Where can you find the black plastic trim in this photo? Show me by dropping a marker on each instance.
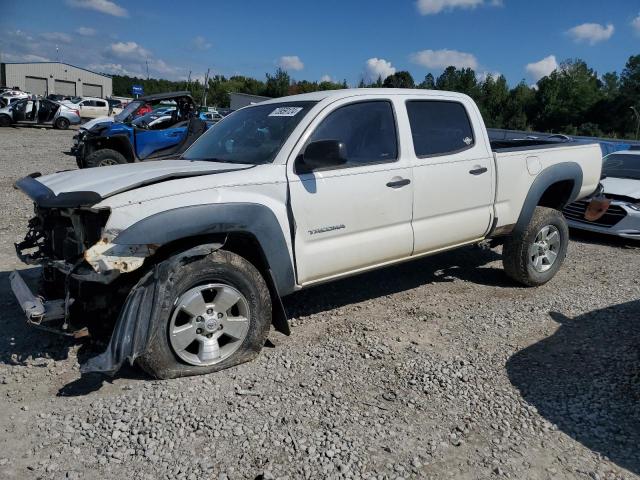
(197, 220)
(45, 197)
(553, 174)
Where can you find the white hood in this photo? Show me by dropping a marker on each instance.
(107, 181)
(622, 186)
(91, 123)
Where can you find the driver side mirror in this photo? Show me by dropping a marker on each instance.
(323, 154)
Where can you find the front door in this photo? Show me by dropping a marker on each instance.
(357, 215)
(150, 142)
(453, 173)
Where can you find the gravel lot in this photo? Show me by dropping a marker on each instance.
(440, 368)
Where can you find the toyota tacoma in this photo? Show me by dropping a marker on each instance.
(184, 262)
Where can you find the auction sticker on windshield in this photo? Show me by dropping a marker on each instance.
(285, 111)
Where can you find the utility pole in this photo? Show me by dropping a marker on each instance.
(147, 62)
(637, 120)
(189, 81)
(206, 86)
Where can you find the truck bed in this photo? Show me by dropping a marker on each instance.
(519, 162)
(516, 145)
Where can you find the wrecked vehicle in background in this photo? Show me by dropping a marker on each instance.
(619, 199)
(123, 140)
(193, 255)
(39, 111)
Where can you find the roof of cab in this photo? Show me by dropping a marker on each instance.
(351, 92)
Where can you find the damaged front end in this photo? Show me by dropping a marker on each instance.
(81, 289)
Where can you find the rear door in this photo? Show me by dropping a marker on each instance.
(358, 215)
(453, 173)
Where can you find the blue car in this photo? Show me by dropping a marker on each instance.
(141, 133)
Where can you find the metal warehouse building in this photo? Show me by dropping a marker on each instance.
(45, 78)
(239, 100)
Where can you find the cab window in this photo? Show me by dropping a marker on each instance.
(367, 129)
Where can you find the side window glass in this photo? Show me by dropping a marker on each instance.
(439, 127)
(368, 130)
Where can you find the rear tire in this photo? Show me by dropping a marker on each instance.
(104, 158)
(61, 123)
(5, 121)
(534, 256)
(169, 357)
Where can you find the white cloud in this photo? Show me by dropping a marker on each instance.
(128, 51)
(326, 78)
(201, 43)
(636, 24)
(57, 37)
(482, 76)
(8, 57)
(444, 58)
(540, 69)
(113, 68)
(377, 68)
(102, 6)
(86, 31)
(290, 62)
(591, 33)
(433, 7)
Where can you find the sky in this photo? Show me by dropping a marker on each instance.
(321, 40)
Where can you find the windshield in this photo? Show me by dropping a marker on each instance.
(251, 135)
(128, 110)
(622, 166)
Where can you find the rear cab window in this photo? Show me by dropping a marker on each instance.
(439, 127)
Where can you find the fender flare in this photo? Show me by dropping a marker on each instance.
(219, 218)
(550, 175)
(121, 138)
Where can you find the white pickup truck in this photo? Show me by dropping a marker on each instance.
(190, 257)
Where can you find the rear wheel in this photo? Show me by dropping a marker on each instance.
(534, 256)
(220, 317)
(104, 158)
(61, 123)
(5, 121)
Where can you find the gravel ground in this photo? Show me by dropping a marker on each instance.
(440, 368)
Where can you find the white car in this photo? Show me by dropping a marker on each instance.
(193, 255)
(90, 107)
(622, 188)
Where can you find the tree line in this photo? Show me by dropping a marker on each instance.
(573, 99)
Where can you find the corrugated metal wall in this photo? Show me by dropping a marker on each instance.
(16, 75)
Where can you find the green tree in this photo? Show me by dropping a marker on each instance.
(429, 83)
(278, 84)
(402, 79)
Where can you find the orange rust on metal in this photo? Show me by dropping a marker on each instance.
(597, 208)
(83, 332)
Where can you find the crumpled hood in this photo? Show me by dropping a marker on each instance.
(622, 186)
(107, 181)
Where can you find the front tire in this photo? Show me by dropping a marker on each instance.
(61, 123)
(534, 256)
(5, 121)
(220, 317)
(104, 158)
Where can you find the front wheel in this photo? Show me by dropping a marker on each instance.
(104, 158)
(220, 317)
(534, 256)
(5, 121)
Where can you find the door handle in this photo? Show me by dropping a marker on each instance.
(478, 170)
(398, 183)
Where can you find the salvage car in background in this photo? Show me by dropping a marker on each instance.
(124, 141)
(39, 111)
(620, 213)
